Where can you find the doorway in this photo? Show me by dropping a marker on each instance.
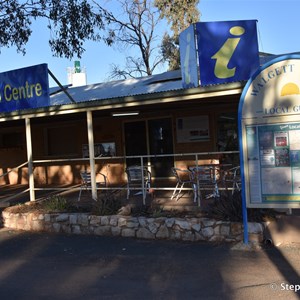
(151, 137)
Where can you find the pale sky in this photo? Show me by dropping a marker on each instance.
(278, 32)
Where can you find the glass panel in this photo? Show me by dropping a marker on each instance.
(161, 142)
(228, 137)
(135, 141)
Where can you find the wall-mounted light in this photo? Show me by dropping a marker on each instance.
(125, 113)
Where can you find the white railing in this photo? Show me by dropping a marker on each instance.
(193, 156)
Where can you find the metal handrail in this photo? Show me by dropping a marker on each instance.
(22, 192)
(141, 157)
(15, 168)
(104, 158)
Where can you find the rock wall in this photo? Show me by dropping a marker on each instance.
(185, 229)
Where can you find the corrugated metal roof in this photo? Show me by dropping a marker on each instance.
(168, 81)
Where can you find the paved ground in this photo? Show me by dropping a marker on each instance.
(48, 266)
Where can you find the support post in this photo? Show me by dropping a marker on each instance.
(30, 160)
(144, 191)
(89, 116)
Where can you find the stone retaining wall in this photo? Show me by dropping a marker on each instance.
(186, 229)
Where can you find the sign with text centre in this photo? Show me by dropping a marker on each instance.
(24, 88)
(269, 127)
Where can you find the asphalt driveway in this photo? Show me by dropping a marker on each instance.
(49, 266)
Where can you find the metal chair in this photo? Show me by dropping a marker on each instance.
(183, 177)
(138, 179)
(206, 179)
(86, 182)
(232, 179)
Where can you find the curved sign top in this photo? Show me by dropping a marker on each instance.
(269, 133)
(273, 90)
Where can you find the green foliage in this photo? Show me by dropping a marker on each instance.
(170, 51)
(71, 22)
(158, 212)
(56, 203)
(229, 208)
(106, 204)
(179, 13)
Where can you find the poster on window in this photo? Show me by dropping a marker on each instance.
(192, 129)
(100, 149)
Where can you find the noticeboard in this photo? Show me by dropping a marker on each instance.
(192, 129)
(100, 150)
(269, 127)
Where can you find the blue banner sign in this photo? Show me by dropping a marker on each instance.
(24, 88)
(227, 51)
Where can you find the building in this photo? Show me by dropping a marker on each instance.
(147, 116)
(156, 121)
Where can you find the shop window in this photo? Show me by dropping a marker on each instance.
(61, 141)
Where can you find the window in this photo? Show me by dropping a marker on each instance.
(61, 140)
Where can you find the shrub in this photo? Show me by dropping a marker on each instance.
(106, 204)
(55, 203)
(228, 207)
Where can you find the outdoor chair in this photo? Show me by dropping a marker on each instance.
(138, 180)
(206, 179)
(232, 179)
(86, 182)
(183, 177)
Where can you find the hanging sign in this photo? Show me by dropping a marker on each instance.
(227, 51)
(270, 135)
(24, 88)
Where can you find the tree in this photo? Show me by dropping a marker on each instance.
(170, 51)
(136, 25)
(180, 14)
(136, 28)
(71, 22)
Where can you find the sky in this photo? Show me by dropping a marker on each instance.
(278, 33)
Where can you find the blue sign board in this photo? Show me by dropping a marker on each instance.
(24, 88)
(227, 51)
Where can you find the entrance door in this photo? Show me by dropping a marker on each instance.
(151, 137)
(135, 142)
(161, 142)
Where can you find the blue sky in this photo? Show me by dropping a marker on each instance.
(278, 33)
